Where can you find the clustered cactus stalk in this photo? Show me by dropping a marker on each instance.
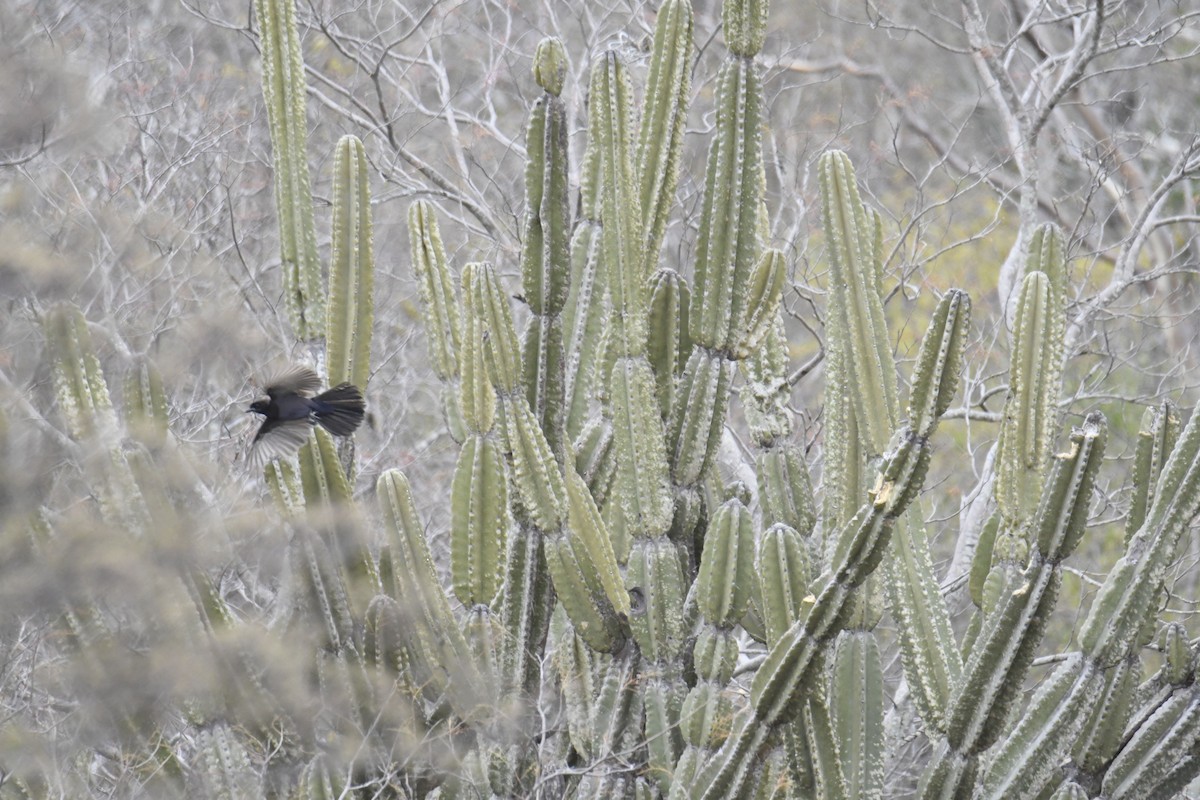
(610, 588)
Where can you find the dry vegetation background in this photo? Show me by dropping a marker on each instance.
(135, 181)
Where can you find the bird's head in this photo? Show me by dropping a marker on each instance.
(259, 407)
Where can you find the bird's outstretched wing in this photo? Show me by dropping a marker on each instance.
(276, 439)
(296, 379)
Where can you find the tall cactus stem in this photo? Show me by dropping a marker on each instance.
(351, 270)
(284, 90)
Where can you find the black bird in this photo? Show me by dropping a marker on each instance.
(291, 408)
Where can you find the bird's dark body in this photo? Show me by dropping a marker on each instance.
(290, 409)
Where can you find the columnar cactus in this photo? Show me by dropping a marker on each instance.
(83, 397)
(351, 269)
(861, 371)
(590, 531)
(995, 672)
(1024, 763)
(552, 498)
(641, 488)
(787, 675)
(284, 90)
(733, 284)
(545, 257)
(722, 595)
(441, 311)
(479, 516)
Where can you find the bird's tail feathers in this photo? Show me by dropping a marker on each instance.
(340, 410)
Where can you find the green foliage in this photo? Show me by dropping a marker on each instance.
(593, 532)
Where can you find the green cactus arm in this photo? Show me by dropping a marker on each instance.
(1027, 429)
(587, 529)
(587, 306)
(545, 254)
(708, 708)
(596, 464)
(544, 251)
(1111, 629)
(284, 91)
(283, 482)
(478, 520)
(577, 548)
(79, 384)
(619, 211)
(727, 254)
(856, 311)
(668, 345)
(765, 290)
(729, 246)
(662, 699)
(694, 430)
(1024, 763)
(146, 401)
(477, 398)
(1104, 732)
(784, 490)
(1159, 758)
(1118, 611)
(574, 665)
(616, 712)
(782, 564)
(790, 668)
(723, 583)
(766, 393)
(843, 471)
(223, 765)
(351, 269)
(787, 675)
(856, 705)
(525, 606)
(932, 663)
(441, 660)
(1156, 436)
(641, 480)
(641, 490)
(660, 139)
(656, 580)
(642, 486)
(479, 490)
(321, 474)
(583, 320)
(318, 782)
(86, 405)
(543, 361)
(823, 745)
(502, 353)
(441, 312)
(745, 24)
(322, 589)
(995, 673)
(952, 317)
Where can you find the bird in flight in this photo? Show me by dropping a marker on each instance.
(292, 407)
